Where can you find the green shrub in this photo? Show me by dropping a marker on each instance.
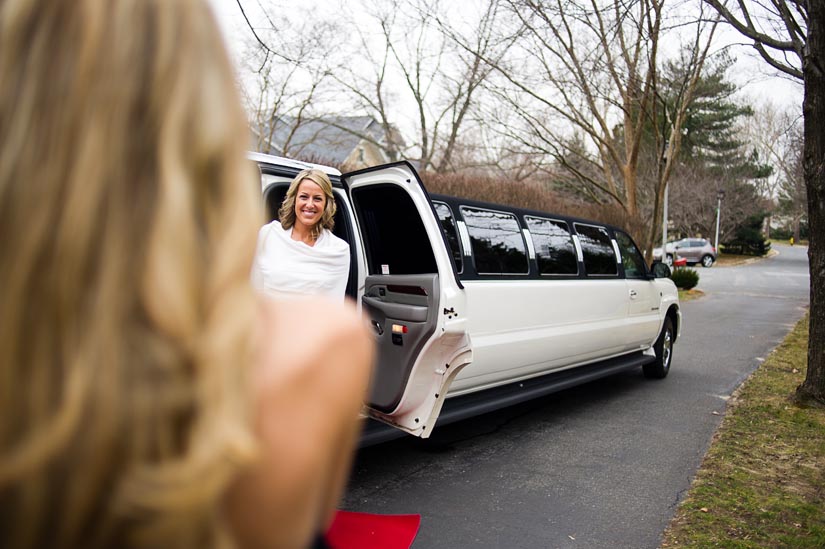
(748, 238)
(685, 278)
(785, 233)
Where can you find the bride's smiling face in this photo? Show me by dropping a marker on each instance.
(310, 201)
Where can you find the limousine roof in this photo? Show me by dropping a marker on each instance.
(297, 165)
(520, 212)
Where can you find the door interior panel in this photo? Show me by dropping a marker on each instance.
(403, 313)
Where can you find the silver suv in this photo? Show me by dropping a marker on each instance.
(695, 250)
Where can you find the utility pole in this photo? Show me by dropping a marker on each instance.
(662, 165)
(719, 196)
(664, 226)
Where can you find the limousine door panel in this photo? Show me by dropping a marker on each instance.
(412, 298)
(402, 312)
(643, 294)
(643, 314)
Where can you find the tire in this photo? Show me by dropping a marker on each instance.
(659, 368)
(707, 260)
(669, 260)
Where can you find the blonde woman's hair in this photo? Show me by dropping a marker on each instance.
(128, 218)
(286, 212)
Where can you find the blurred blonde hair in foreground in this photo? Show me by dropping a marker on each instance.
(128, 219)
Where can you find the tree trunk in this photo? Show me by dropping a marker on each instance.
(812, 389)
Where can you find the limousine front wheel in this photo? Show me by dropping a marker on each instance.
(664, 353)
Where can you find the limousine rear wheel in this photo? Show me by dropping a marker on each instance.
(660, 367)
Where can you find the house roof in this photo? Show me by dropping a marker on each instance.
(331, 139)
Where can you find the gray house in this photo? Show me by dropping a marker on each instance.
(350, 142)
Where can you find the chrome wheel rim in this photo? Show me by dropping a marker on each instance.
(667, 347)
(707, 261)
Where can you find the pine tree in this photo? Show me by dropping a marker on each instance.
(713, 157)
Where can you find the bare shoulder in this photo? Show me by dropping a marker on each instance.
(308, 323)
(312, 369)
(309, 341)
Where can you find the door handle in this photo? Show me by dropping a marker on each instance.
(378, 329)
(633, 294)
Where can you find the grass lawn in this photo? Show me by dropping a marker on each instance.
(731, 260)
(690, 295)
(728, 260)
(762, 482)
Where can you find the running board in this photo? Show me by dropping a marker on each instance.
(489, 400)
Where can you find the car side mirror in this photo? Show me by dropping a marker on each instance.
(660, 270)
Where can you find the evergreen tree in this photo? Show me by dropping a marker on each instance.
(713, 157)
(711, 132)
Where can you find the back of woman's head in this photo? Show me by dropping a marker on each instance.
(128, 216)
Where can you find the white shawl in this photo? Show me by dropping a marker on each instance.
(284, 266)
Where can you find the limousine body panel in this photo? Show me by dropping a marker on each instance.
(521, 328)
(412, 298)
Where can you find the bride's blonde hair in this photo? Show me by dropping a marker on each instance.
(128, 218)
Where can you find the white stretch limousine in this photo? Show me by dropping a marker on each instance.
(482, 305)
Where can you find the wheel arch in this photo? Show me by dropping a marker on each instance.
(676, 318)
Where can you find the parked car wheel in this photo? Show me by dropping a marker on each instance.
(659, 368)
(669, 260)
(707, 260)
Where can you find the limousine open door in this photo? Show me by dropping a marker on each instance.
(411, 296)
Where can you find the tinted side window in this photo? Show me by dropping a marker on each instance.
(555, 252)
(498, 247)
(632, 260)
(599, 256)
(445, 216)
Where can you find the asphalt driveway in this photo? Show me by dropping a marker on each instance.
(601, 465)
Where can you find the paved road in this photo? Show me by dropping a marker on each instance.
(602, 465)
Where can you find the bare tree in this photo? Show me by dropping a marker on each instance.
(288, 64)
(790, 36)
(584, 83)
(365, 80)
(438, 80)
(693, 203)
(792, 194)
(775, 133)
(766, 132)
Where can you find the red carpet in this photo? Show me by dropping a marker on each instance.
(367, 531)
